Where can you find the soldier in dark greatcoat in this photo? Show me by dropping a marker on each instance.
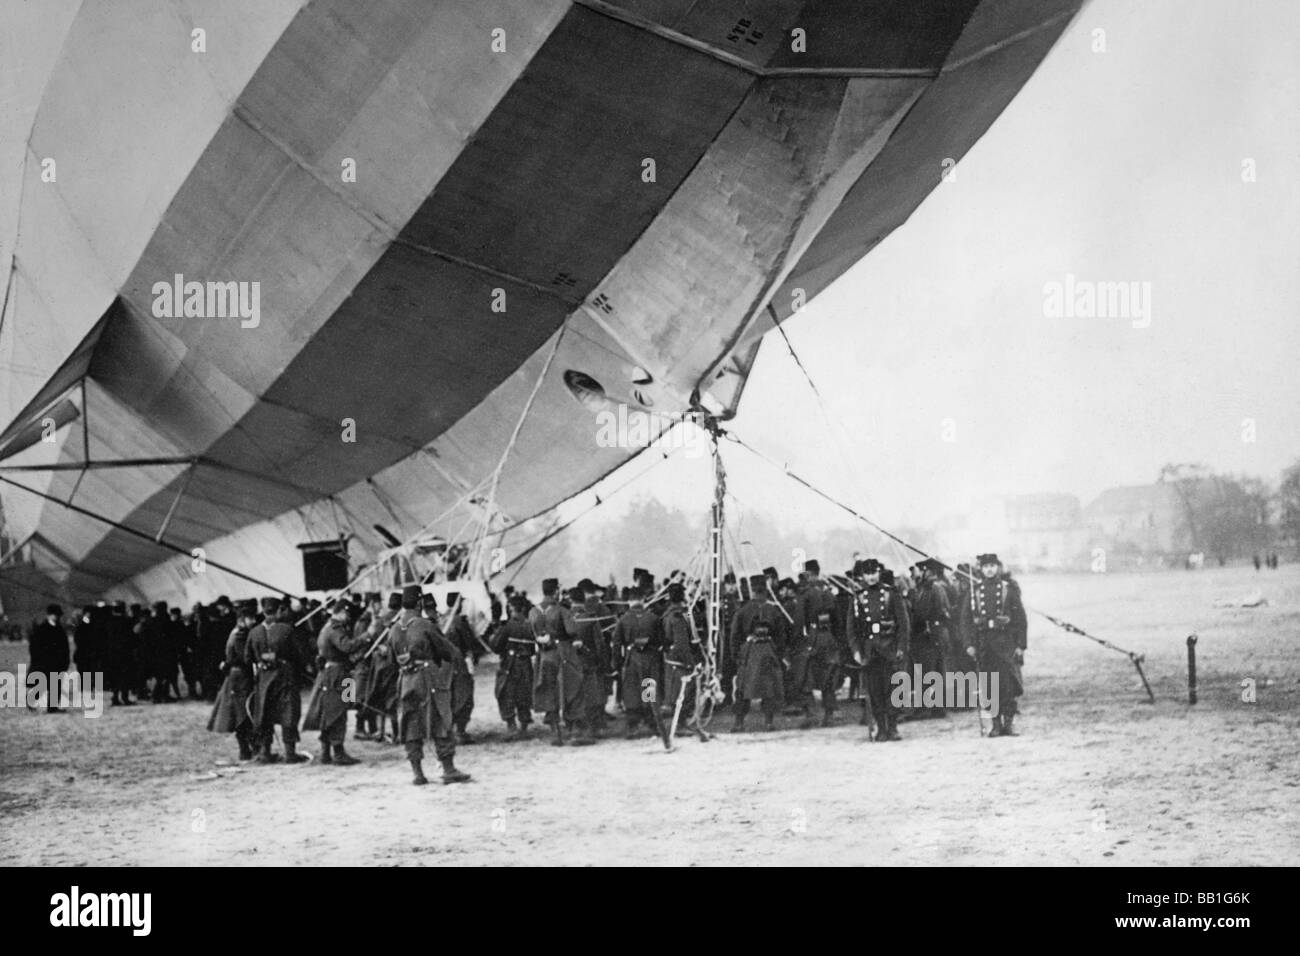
(759, 633)
(273, 653)
(995, 628)
(119, 652)
(461, 634)
(681, 653)
(638, 637)
(334, 689)
(514, 645)
(827, 651)
(557, 682)
(50, 655)
(593, 622)
(379, 699)
(230, 712)
(930, 614)
(422, 713)
(881, 632)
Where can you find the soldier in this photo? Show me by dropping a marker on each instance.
(593, 621)
(930, 620)
(117, 655)
(758, 660)
(422, 712)
(681, 645)
(639, 638)
(826, 654)
(230, 712)
(273, 654)
(88, 638)
(457, 676)
(327, 710)
(797, 697)
(380, 701)
(154, 651)
(558, 679)
(881, 631)
(726, 650)
(995, 629)
(217, 627)
(513, 643)
(50, 655)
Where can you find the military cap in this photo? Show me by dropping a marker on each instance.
(431, 600)
(137, 608)
(248, 609)
(787, 583)
(55, 610)
(639, 573)
(160, 606)
(270, 604)
(394, 600)
(871, 566)
(119, 605)
(222, 599)
(757, 584)
(812, 566)
(989, 558)
(373, 596)
(886, 576)
(676, 593)
(411, 596)
(770, 573)
(340, 604)
(729, 577)
(577, 595)
(550, 586)
(587, 584)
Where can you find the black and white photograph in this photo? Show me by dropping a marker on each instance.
(656, 433)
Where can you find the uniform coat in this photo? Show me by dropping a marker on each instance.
(422, 711)
(230, 712)
(273, 655)
(327, 710)
(514, 645)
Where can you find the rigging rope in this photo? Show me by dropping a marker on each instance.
(1132, 655)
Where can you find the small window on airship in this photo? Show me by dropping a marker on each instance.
(586, 390)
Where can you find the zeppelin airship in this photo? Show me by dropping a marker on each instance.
(283, 271)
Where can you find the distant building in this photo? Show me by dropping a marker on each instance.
(1147, 521)
(1039, 531)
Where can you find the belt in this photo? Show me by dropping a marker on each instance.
(758, 640)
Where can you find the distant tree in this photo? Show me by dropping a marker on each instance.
(1288, 505)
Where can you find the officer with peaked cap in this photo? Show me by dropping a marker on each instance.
(930, 621)
(995, 629)
(881, 629)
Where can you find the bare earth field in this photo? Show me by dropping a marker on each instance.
(1097, 778)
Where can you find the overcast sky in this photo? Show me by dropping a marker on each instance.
(1126, 166)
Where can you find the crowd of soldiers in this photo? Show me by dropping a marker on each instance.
(405, 670)
(788, 644)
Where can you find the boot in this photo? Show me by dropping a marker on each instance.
(738, 726)
(245, 751)
(450, 774)
(865, 719)
(462, 738)
(893, 730)
(326, 754)
(265, 755)
(996, 729)
(582, 735)
(1006, 726)
(559, 738)
(343, 758)
(828, 718)
(291, 754)
(807, 723)
(417, 764)
(512, 729)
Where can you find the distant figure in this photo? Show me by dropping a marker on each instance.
(1270, 563)
(49, 651)
(1272, 560)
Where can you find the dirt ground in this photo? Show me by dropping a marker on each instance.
(1097, 777)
